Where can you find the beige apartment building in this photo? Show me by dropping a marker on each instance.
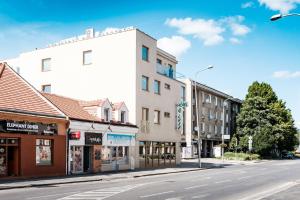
(122, 65)
(210, 107)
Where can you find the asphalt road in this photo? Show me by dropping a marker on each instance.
(271, 180)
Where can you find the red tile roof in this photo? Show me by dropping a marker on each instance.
(71, 107)
(117, 106)
(98, 102)
(74, 109)
(17, 95)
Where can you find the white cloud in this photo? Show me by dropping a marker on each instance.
(297, 124)
(234, 40)
(284, 6)
(248, 4)
(236, 26)
(210, 31)
(286, 74)
(176, 45)
(207, 30)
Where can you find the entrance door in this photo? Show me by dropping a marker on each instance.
(12, 161)
(87, 159)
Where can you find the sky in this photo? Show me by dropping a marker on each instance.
(235, 36)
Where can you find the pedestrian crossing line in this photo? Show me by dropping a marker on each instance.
(100, 194)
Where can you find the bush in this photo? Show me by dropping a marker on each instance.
(240, 156)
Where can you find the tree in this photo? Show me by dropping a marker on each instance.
(267, 119)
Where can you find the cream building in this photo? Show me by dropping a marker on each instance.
(124, 65)
(211, 115)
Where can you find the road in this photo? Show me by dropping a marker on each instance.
(267, 181)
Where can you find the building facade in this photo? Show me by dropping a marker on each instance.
(211, 111)
(99, 136)
(123, 65)
(32, 130)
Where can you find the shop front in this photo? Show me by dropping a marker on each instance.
(31, 149)
(85, 152)
(118, 151)
(157, 154)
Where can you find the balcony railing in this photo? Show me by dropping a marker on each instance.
(145, 126)
(166, 71)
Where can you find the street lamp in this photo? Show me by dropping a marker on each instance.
(197, 112)
(223, 124)
(279, 16)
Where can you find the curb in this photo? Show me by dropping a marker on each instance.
(95, 180)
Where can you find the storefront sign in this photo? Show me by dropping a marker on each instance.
(75, 135)
(120, 140)
(10, 126)
(93, 138)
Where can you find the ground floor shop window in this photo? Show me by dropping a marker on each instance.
(154, 154)
(115, 154)
(43, 152)
(76, 159)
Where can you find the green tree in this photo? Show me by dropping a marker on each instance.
(267, 119)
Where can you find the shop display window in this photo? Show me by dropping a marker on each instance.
(118, 154)
(43, 152)
(76, 159)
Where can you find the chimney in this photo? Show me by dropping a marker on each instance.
(89, 33)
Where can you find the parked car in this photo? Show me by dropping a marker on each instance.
(287, 155)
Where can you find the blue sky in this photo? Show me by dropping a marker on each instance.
(235, 36)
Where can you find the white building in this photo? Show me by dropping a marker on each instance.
(122, 65)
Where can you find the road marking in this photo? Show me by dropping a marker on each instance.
(271, 191)
(51, 195)
(225, 181)
(157, 194)
(200, 196)
(196, 186)
(101, 193)
(245, 177)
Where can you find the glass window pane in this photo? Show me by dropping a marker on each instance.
(145, 53)
(46, 88)
(87, 57)
(145, 83)
(46, 64)
(157, 87)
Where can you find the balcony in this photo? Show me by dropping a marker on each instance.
(166, 71)
(145, 126)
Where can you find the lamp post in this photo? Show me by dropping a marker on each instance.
(197, 112)
(279, 16)
(223, 124)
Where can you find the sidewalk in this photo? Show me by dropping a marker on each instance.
(185, 166)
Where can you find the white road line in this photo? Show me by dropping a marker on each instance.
(245, 177)
(200, 196)
(51, 195)
(156, 194)
(225, 181)
(273, 190)
(196, 186)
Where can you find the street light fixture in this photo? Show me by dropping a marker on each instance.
(197, 112)
(279, 16)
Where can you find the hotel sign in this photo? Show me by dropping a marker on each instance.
(10, 126)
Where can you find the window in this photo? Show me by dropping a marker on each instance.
(145, 53)
(43, 152)
(167, 86)
(123, 114)
(156, 87)
(145, 83)
(202, 127)
(87, 57)
(156, 117)
(158, 61)
(216, 129)
(46, 64)
(145, 114)
(167, 114)
(46, 88)
(182, 93)
(106, 114)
